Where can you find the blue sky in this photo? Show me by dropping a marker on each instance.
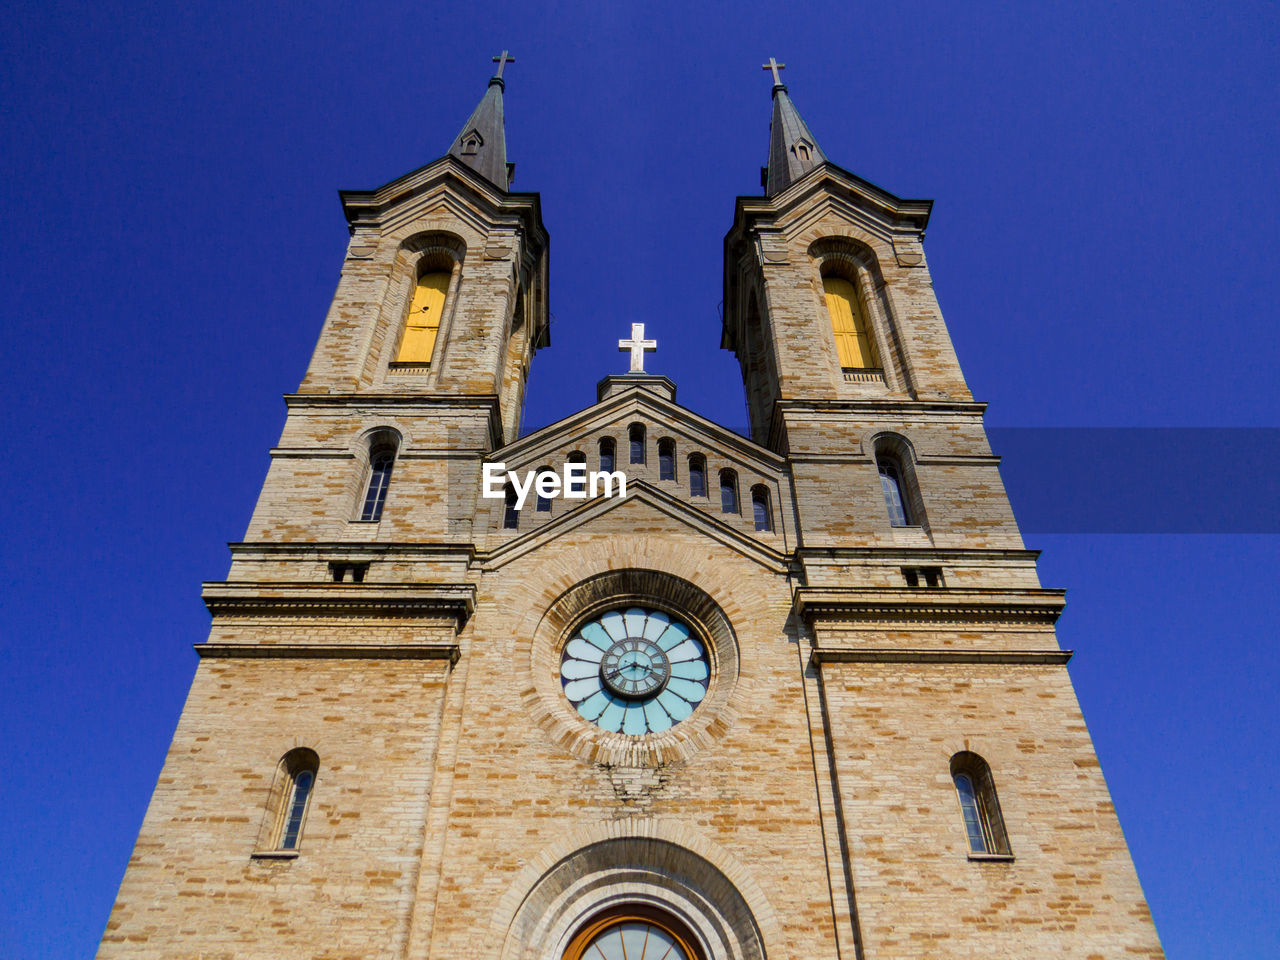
(1103, 246)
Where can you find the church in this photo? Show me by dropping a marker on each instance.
(784, 696)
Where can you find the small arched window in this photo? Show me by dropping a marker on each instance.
(630, 931)
(297, 780)
(979, 807)
(382, 457)
(666, 459)
(853, 344)
(728, 491)
(544, 503)
(697, 475)
(423, 322)
(760, 507)
(894, 490)
(636, 433)
(576, 487)
(607, 455)
(510, 512)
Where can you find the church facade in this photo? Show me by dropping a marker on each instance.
(794, 695)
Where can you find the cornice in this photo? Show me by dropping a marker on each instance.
(409, 600)
(922, 604)
(480, 400)
(940, 554)
(827, 405)
(331, 548)
(330, 651)
(821, 655)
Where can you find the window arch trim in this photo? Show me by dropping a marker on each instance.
(289, 804)
(979, 804)
(603, 922)
(382, 447)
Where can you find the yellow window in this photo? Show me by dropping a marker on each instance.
(850, 327)
(424, 318)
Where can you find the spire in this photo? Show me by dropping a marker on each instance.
(793, 151)
(482, 143)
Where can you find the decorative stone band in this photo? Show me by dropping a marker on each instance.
(454, 602)
(331, 651)
(913, 604)
(822, 655)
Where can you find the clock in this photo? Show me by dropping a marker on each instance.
(634, 668)
(634, 671)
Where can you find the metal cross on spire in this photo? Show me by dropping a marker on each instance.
(775, 66)
(502, 62)
(638, 346)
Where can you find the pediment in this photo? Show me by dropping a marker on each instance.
(590, 423)
(403, 197)
(873, 202)
(752, 471)
(644, 507)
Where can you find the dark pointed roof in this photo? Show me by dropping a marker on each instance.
(793, 151)
(482, 142)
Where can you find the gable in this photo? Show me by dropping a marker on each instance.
(751, 469)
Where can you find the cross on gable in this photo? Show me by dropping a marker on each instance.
(502, 62)
(775, 66)
(638, 346)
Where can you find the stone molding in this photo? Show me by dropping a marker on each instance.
(238, 598)
(330, 651)
(916, 604)
(821, 655)
(652, 860)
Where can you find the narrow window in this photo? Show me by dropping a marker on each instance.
(891, 486)
(637, 443)
(760, 507)
(728, 491)
(297, 809)
(296, 779)
(510, 514)
(606, 455)
(423, 322)
(666, 459)
(544, 503)
(697, 475)
(579, 485)
(382, 457)
(848, 324)
(979, 808)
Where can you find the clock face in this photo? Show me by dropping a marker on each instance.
(634, 671)
(634, 668)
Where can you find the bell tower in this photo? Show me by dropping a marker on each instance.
(827, 294)
(425, 351)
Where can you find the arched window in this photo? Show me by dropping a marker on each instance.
(544, 503)
(979, 807)
(423, 323)
(296, 779)
(607, 458)
(894, 490)
(666, 459)
(577, 486)
(636, 433)
(760, 507)
(853, 345)
(632, 932)
(728, 491)
(510, 513)
(697, 475)
(382, 457)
